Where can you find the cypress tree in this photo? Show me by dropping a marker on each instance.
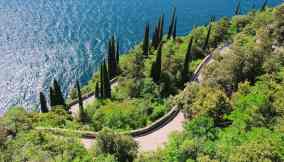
(97, 90)
(107, 85)
(52, 97)
(187, 60)
(155, 40)
(175, 30)
(156, 68)
(81, 107)
(158, 33)
(113, 57)
(263, 5)
(161, 29)
(43, 104)
(238, 8)
(146, 41)
(58, 94)
(171, 26)
(205, 46)
(102, 94)
(117, 54)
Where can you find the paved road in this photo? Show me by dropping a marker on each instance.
(158, 138)
(154, 140)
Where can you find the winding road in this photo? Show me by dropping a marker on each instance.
(157, 134)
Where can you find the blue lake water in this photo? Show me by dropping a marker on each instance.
(65, 39)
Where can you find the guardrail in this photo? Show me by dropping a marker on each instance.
(142, 131)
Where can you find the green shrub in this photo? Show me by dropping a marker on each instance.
(122, 147)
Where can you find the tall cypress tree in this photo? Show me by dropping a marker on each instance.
(81, 106)
(43, 103)
(102, 91)
(155, 40)
(97, 90)
(188, 57)
(161, 29)
(175, 30)
(117, 53)
(52, 97)
(263, 5)
(58, 94)
(171, 26)
(158, 33)
(113, 57)
(146, 41)
(206, 42)
(107, 84)
(238, 8)
(156, 68)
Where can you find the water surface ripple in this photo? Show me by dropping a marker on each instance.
(65, 39)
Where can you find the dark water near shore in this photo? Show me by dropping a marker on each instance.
(65, 39)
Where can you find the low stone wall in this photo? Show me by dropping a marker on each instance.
(142, 131)
(156, 125)
(66, 132)
(200, 67)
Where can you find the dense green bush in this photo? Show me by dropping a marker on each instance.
(197, 100)
(125, 114)
(20, 142)
(251, 73)
(122, 147)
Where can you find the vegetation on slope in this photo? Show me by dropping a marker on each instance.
(235, 114)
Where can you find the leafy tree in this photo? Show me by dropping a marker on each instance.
(105, 158)
(43, 103)
(279, 25)
(260, 145)
(122, 147)
(198, 100)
